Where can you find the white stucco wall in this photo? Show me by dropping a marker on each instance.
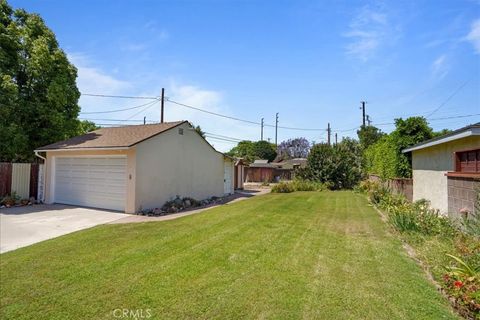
(171, 164)
(429, 167)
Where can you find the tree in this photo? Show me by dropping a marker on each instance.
(407, 133)
(338, 165)
(368, 135)
(386, 158)
(264, 150)
(244, 149)
(199, 131)
(87, 126)
(38, 93)
(253, 150)
(293, 148)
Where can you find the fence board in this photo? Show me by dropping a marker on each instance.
(21, 179)
(34, 180)
(5, 178)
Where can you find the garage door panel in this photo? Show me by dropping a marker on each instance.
(91, 181)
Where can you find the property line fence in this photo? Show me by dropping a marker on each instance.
(402, 186)
(25, 179)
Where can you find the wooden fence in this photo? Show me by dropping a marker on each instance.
(21, 178)
(397, 185)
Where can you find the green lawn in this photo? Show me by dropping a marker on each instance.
(301, 255)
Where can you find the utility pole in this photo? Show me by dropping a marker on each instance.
(162, 105)
(336, 141)
(368, 120)
(261, 135)
(276, 128)
(329, 132)
(144, 120)
(363, 111)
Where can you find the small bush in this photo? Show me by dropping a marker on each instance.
(283, 187)
(403, 220)
(298, 185)
(10, 200)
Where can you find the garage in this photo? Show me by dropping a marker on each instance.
(228, 174)
(98, 182)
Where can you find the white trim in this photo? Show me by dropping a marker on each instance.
(92, 156)
(460, 135)
(82, 149)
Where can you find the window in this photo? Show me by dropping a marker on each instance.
(467, 161)
(180, 131)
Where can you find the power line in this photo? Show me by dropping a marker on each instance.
(433, 119)
(222, 136)
(210, 112)
(114, 96)
(116, 120)
(120, 110)
(146, 107)
(449, 98)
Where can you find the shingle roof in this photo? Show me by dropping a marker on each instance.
(115, 137)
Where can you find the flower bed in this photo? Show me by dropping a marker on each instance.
(449, 249)
(179, 204)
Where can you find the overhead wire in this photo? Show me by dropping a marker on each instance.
(120, 110)
(117, 96)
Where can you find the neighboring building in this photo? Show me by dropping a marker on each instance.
(446, 170)
(133, 167)
(239, 173)
(264, 171)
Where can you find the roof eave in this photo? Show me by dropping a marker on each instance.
(459, 135)
(82, 149)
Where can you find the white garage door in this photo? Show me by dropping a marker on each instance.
(227, 180)
(91, 181)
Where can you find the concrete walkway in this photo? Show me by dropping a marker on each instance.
(238, 196)
(23, 226)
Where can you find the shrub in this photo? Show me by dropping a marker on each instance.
(298, 185)
(403, 219)
(283, 187)
(10, 200)
(338, 165)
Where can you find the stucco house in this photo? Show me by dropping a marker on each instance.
(446, 170)
(133, 167)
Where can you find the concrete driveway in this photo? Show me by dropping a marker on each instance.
(23, 226)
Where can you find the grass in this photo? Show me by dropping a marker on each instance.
(307, 255)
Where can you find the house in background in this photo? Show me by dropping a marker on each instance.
(133, 167)
(264, 171)
(239, 175)
(446, 170)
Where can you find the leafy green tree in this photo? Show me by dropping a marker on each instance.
(199, 131)
(254, 150)
(38, 93)
(244, 149)
(337, 165)
(368, 135)
(87, 126)
(264, 150)
(381, 158)
(385, 157)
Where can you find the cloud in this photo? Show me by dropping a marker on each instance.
(368, 30)
(440, 67)
(474, 35)
(94, 80)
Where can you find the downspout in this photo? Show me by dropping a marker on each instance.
(44, 174)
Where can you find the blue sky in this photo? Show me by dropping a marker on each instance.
(311, 61)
